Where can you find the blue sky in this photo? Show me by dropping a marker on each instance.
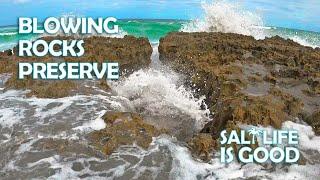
(300, 14)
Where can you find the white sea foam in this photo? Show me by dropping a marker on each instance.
(158, 93)
(185, 167)
(10, 116)
(303, 41)
(43, 109)
(224, 16)
(41, 104)
(96, 124)
(307, 138)
(8, 33)
(230, 17)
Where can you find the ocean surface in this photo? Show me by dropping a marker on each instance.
(155, 29)
(27, 124)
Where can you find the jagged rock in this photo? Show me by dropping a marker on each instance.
(302, 160)
(123, 129)
(314, 122)
(64, 147)
(202, 146)
(43, 89)
(259, 82)
(314, 85)
(131, 53)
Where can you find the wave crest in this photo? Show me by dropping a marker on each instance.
(227, 17)
(8, 34)
(157, 93)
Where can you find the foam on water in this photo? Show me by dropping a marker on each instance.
(96, 124)
(16, 108)
(155, 92)
(10, 116)
(304, 42)
(185, 167)
(307, 138)
(8, 34)
(165, 153)
(159, 93)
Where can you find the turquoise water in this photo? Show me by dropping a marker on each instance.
(152, 29)
(155, 29)
(307, 38)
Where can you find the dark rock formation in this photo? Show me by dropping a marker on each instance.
(314, 121)
(201, 145)
(131, 53)
(123, 129)
(258, 82)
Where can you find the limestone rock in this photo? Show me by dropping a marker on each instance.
(131, 53)
(258, 82)
(123, 129)
(202, 146)
(314, 121)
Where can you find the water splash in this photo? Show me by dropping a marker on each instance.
(305, 38)
(303, 42)
(158, 93)
(230, 17)
(227, 17)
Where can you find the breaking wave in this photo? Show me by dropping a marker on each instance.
(303, 42)
(158, 93)
(231, 17)
(8, 34)
(223, 16)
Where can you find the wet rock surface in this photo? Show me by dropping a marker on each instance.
(314, 121)
(256, 82)
(123, 129)
(202, 145)
(131, 53)
(240, 84)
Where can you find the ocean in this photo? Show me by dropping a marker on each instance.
(27, 123)
(155, 29)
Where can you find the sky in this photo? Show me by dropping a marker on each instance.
(298, 14)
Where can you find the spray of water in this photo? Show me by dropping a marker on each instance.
(158, 92)
(231, 17)
(223, 16)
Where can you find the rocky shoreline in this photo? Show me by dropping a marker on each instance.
(130, 52)
(245, 81)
